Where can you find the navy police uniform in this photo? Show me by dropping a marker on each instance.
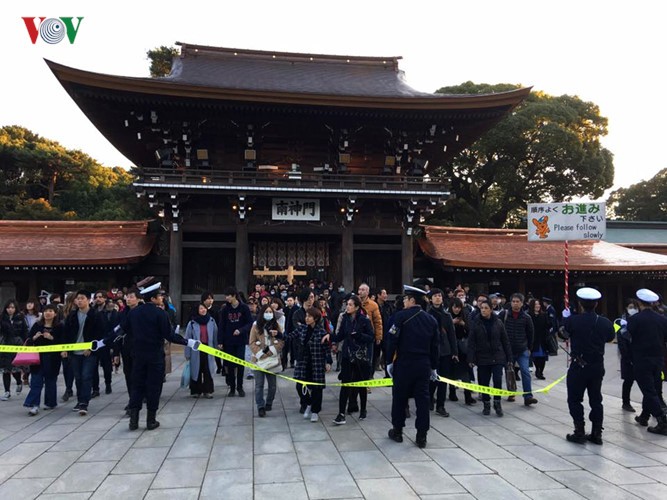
(648, 333)
(413, 347)
(149, 326)
(588, 334)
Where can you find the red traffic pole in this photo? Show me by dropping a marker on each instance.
(567, 288)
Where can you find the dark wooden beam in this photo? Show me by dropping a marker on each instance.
(348, 258)
(176, 270)
(407, 272)
(242, 258)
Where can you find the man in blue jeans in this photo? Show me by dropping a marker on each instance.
(82, 325)
(520, 331)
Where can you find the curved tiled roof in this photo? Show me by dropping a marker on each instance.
(50, 243)
(288, 78)
(510, 249)
(290, 72)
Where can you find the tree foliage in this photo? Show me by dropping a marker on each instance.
(160, 59)
(42, 180)
(547, 149)
(646, 200)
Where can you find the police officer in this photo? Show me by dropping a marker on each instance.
(149, 326)
(648, 332)
(588, 334)
(412, 354)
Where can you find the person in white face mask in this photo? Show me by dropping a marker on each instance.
(624, 343)
(266, 343)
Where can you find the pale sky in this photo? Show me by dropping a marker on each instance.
(610, 53)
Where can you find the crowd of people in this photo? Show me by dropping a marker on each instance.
(419, 338)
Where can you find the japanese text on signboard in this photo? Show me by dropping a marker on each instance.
(295, 209)
(566, 221)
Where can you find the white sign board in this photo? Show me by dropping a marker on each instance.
(295, 209)
(566, 221)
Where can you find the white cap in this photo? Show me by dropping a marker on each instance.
(588, 293)
(646, 295)
(413, 290)
(151, 288)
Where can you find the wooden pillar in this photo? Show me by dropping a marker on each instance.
(522, 284)
(242, 258)
(32, 285)
(347, 257)
(176, 270)
(407, 263)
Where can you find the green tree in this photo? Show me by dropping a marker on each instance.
(42, 180)
(160, 59)
(646, 200)
(547, 149)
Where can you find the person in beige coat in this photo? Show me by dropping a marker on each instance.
(266, 343)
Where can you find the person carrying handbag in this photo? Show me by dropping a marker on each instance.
(356, 363)
(47, 331)
(266, 345)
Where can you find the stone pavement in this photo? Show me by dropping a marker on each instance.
(219, 448)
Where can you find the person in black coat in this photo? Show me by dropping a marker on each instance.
(13, 331)
(123, 342)
(624, 343)
(461, 370)
(448, 347)
(82, 325)
(356, 331)
(542, 327)
(588, 334)
(648, 331)
(47, 331)
(105, 308)
(489, 349)
(234, 327)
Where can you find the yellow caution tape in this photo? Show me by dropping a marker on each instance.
(383, 382)
(498, 392)
(82, 346)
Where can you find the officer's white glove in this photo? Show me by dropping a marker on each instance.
(193, 344)
(434, 376)
(177, 330)
(566, 312)
(97, 344)
(390, 369)
(623, 323)
(117, 329)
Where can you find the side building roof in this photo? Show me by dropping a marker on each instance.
(510, 249)
(58, 243)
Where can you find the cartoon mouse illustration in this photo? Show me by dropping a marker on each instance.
(542, 228)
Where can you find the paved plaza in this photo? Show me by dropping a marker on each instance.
(219, 448)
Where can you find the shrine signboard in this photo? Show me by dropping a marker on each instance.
(566, 221)
(299, 209)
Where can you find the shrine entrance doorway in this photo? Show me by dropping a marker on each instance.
(292, 259)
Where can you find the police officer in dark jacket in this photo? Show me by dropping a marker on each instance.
(588, 334)
(412, 357)
(648, 332)
(149, 326)
(448, 350)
